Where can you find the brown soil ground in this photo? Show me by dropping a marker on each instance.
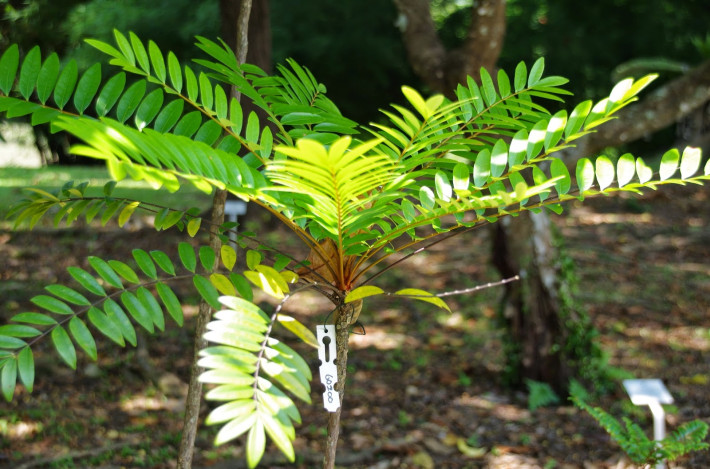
(419, 379)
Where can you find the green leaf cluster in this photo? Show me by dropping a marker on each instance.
(686, 438)
(249, 370)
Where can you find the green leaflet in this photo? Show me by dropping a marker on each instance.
(116, 314)
(444, 191)
(64, 346)
(29, 72)
(8, 378)
(363, 292)
(87, 87)
(645, 173)
(163, 261)
(26, 368)
(690, 162)
(669, 164)
(140, 52)
(34, 318)
(422, 295)
(169, 115)
(536, 72)
(65, 84)
(625, 169)
(47, 77)
(207, 258)
(171, 302)
(11, 343)
(18, 330)
(110, 93)
(83, 337)
(228, 256)
(175, 72)
(157, 60)
(106, 326)
(206, 290)
(124, 271)
(68, 294)
(147, 299)
(149, 108)
(206, 94)
(138, 311)
(298, 329)
(145, 263)
(105, 271)
(605, 172)
(559, 170)
(9, 62)
(52, 304)
(482, 169)
(130, 100)
(187, 256)
(585, 174)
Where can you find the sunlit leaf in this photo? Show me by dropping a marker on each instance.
(625, 169)
(669, 164)
(645, 172)
(298, 329)
(605, 172)
(585, 174)
(559, 170)
(690, 162)
(363, 292)
(422, 295)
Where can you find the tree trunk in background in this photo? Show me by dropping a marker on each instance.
(236, 18)
(538, 311)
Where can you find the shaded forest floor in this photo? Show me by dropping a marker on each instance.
(419, 379)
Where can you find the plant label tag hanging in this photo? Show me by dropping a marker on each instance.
(328, 369)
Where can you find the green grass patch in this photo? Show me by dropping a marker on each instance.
(51, 178)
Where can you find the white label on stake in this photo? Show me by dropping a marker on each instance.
(328, 369)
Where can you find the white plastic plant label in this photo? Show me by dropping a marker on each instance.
(328, 369)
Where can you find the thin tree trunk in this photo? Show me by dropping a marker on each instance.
(194, 395)
(344, 316)
(194, 392)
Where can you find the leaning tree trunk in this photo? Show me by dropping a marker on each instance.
(538, 312)
(532, 308)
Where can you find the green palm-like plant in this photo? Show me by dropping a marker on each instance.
(434, 169)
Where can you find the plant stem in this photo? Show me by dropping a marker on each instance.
(194, 392)
(344, 316)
